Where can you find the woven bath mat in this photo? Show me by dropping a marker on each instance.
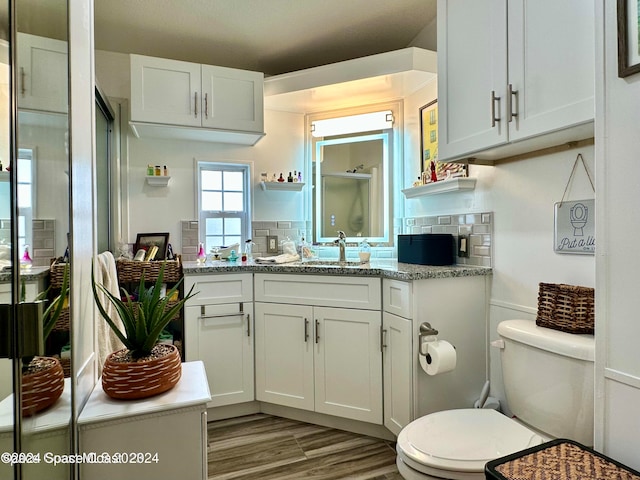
(558, 460)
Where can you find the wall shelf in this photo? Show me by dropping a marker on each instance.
(444, 186)
(157, 181)
(283, 186)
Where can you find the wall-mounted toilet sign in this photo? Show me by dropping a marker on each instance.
(574, 227)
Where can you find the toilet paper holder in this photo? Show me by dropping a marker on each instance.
(426, 330)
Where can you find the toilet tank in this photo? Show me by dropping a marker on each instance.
(549, 379)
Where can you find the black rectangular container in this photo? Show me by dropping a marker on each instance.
(427, 249)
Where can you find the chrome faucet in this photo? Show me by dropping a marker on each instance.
(341, 244)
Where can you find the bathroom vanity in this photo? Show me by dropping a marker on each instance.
(335, 343)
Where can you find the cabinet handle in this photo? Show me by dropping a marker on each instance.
(317, 331)
(206, 105)
(306, 330)
(512, 98)
(494, 99)
(195, 104)
(248, 324)
(22, 88)
(383, 338)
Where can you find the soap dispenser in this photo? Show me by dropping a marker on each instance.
(364, 251)
(25, 261)
(202, 257)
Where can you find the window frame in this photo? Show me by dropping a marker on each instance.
(244, 215)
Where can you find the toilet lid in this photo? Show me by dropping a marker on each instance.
(463, 440)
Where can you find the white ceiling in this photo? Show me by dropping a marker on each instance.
(271, 36)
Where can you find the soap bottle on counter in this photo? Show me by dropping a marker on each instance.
(364, 251)
(202, 256)
(25, 261)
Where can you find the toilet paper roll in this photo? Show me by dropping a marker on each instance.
(440, 357)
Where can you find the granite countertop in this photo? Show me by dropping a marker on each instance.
(28, 274)
(376, 268)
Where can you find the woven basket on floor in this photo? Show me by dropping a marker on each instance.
(134, 380)
(568, 308)
(130, 271)
(43, 387)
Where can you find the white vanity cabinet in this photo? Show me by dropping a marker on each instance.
(42, 74)
(521, 70)
(397, 357)
(218, 329)
(457, 308)
(318, 344)
(222, 104)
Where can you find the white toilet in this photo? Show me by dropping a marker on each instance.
(548, 380)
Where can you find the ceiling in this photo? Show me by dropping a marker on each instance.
(271, 36)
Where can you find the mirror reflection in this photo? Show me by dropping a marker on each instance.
(36, 232)
(351, 194)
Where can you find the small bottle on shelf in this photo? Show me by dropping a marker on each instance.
(281, 179)
(157, 170)
(290, 178)
(165, 172)
(150, 170)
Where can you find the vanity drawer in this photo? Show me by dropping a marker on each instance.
(397, 297)
(325, 291)
(218, 289)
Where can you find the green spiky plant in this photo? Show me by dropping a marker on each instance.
(143, 320)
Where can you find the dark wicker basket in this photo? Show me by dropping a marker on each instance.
(130, 271)
(62, 324)
(56, 272)
(568, 308)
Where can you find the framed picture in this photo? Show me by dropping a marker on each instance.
(429, 147)
(628, 38)
(160, 240)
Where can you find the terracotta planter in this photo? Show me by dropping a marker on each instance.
(134, 379)
(42, 385)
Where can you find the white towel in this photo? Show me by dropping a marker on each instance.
(283, 258)
(107, 275)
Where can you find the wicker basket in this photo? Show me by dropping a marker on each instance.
(56, 272)
(130, 271)
(62, 324)
(568, 308)
(133, 380)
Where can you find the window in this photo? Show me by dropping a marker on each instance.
(25, 196)
(223, 204)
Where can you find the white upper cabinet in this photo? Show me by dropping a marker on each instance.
(514, 76)
(175, 99)
(42, 74)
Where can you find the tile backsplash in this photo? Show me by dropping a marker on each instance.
(478, 226)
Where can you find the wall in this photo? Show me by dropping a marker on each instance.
(153, 209)
(618, 220)
(521, 197)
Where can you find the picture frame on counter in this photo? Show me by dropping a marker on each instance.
(148, 240)
(628, 37)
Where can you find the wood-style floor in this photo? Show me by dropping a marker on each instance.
(264, 447)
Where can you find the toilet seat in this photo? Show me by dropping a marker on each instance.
(457, 443)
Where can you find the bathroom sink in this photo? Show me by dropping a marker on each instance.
(331, 263)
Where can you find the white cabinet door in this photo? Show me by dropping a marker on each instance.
(551, 65)
(165, 91)
(43, 74)
(510, 71)
(284, 355)
(472, 63)
(348, 363)
(397, 368)
(222, 337)
(232, 99)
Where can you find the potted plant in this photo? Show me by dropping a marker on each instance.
(42, 376)
(144, 367)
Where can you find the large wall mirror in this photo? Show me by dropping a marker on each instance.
(34, 226)
(352, 157)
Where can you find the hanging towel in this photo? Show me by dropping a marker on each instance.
(284, 258)
(107, 340)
